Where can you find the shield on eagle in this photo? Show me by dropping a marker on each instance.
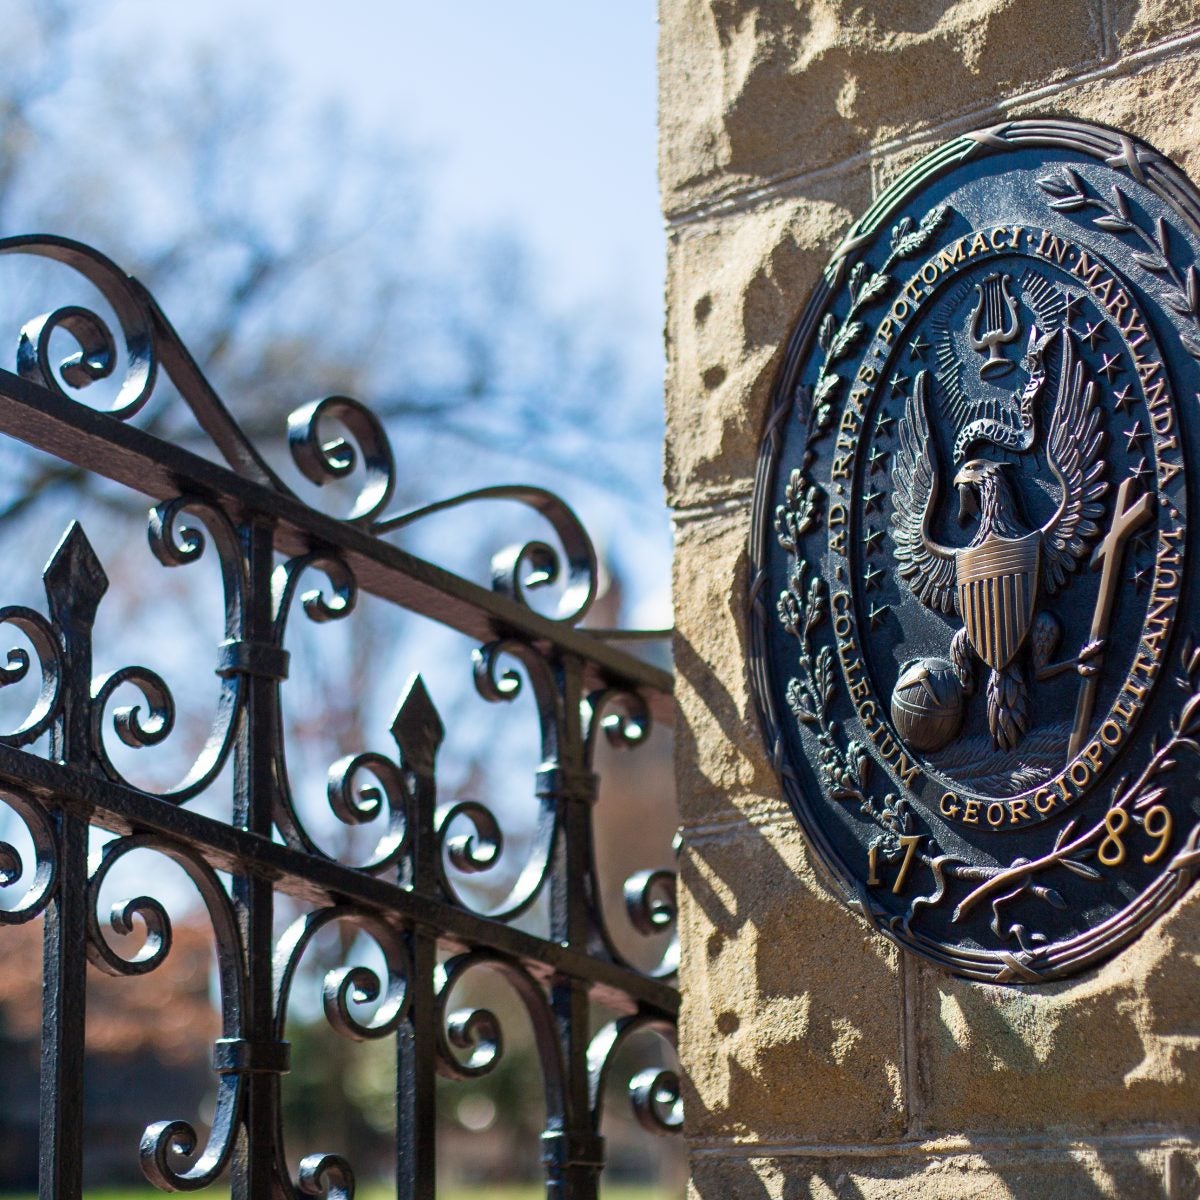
(997, 584)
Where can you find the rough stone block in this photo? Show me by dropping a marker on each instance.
(1146, 102)
(1136, 24)
(1095, 1171)
(791, 1024)
(1120, 1046)
(720, 759)
(817, 1062)
(752, 92)
(735, 288)
(1149, 103)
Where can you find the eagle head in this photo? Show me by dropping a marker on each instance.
(982, 487)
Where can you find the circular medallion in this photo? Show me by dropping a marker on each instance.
(972, 639)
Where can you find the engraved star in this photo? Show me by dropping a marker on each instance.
(1143, 545)
(883, 425)
(1110, 366)
(876, 613)
(1123, 398)
(1143, 468)
(897, 381)
(877, 460)
(871, 502)
(1134, 435)
(872, 541)
(1070, 301)
(1093, 334)
(917, 347)
(1143, 562)
(871, 577)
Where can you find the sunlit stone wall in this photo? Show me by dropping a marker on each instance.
(821, 1062)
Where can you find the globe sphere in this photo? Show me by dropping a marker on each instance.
(927, 704)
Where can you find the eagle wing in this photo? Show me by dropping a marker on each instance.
(929, 569)
(1073, 451)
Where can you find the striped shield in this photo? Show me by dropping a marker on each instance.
(997, 582)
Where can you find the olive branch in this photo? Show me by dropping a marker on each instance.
(800, 511)
(836, 339)
(803, 609)
(1128, 797)
(803, 605)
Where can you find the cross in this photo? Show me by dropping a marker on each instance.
(1127, 520)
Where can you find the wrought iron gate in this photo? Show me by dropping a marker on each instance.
(266, 539)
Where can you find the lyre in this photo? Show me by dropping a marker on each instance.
(994, 323)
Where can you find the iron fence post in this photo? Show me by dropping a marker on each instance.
(573, 1152)
(75, 584)
(254, 1161)
(418, 733)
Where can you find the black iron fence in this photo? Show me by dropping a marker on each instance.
(271, 546)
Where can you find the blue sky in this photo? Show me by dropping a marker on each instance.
(537, 115)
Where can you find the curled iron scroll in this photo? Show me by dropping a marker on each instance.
(97, 353)
(322, 461)
(41, 635)
(176, 543)
(45, 852)
(535, 564)
(168, 1147)
(654, 1093)
(478, 1030)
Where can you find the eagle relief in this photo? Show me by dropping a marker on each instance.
(972, 569)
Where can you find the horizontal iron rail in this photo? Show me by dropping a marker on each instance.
(116, 450)
(323, 881)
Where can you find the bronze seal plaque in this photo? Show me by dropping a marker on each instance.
(973, 637)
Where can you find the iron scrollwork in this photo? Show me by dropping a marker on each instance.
(407, 896)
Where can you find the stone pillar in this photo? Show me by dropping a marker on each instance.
(820, 1061)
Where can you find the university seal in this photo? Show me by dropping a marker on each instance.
(974, 638)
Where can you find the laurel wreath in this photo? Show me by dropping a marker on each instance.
(803, 605)
(1181, 292)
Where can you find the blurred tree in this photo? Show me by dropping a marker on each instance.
(295, 253)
